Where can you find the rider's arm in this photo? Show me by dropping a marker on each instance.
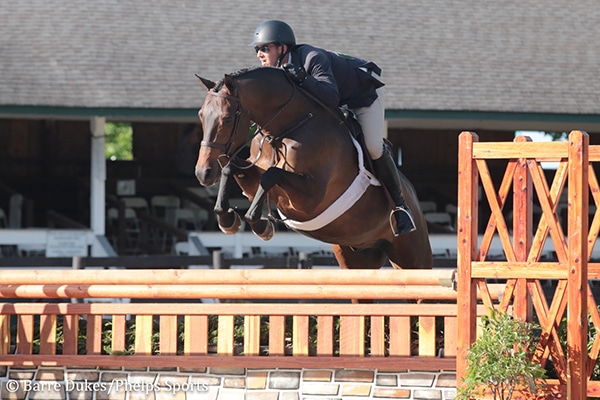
(320, 81)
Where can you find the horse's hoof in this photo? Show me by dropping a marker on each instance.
(267, 231)
(231, 227)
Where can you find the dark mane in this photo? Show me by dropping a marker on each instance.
(239, 73)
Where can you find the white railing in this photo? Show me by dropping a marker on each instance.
(36, 240)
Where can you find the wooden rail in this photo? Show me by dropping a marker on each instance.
(250, 331)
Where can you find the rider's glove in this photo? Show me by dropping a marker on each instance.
(298, 74)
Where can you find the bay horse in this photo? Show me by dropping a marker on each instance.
(303, 160)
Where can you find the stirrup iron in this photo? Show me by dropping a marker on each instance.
(402, 221)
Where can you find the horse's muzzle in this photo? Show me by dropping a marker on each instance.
(206, 176)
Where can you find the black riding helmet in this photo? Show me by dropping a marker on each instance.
(274, 31)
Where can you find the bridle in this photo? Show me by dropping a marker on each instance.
(238, 112)
(227, 146)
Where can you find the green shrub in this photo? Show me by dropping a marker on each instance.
(500, 361)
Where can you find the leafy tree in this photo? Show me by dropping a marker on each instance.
(557, 136)
(118, 141)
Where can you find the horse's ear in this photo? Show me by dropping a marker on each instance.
(228, 81)
(207, 84)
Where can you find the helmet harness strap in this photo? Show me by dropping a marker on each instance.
(282, 55)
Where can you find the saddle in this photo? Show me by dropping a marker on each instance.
(348, 118)
(352, 124)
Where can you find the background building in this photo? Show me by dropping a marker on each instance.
(66, 67)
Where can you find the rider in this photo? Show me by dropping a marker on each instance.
(338, 80)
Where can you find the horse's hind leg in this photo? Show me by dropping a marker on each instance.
(348, 258)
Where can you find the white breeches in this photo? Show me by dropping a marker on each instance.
(372, 121)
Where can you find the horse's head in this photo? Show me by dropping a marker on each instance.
(258, 94)
(225, 127)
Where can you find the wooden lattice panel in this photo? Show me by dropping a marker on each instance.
(523, 245)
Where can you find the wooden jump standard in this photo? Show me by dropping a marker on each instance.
(522, 246)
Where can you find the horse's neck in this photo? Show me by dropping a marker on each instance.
(275, 110)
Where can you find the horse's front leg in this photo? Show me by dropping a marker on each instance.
(229, 220)
(262, 183)
(261, 226)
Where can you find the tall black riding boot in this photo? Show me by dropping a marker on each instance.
(387, 173)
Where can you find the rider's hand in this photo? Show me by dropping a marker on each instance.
(298, 74)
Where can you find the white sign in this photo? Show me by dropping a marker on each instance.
(66, 243)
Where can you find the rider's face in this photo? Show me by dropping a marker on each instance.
(268, 54)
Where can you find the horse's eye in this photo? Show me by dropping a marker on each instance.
(227, 120)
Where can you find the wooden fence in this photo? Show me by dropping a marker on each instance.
(573, 242)
(264, 318)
